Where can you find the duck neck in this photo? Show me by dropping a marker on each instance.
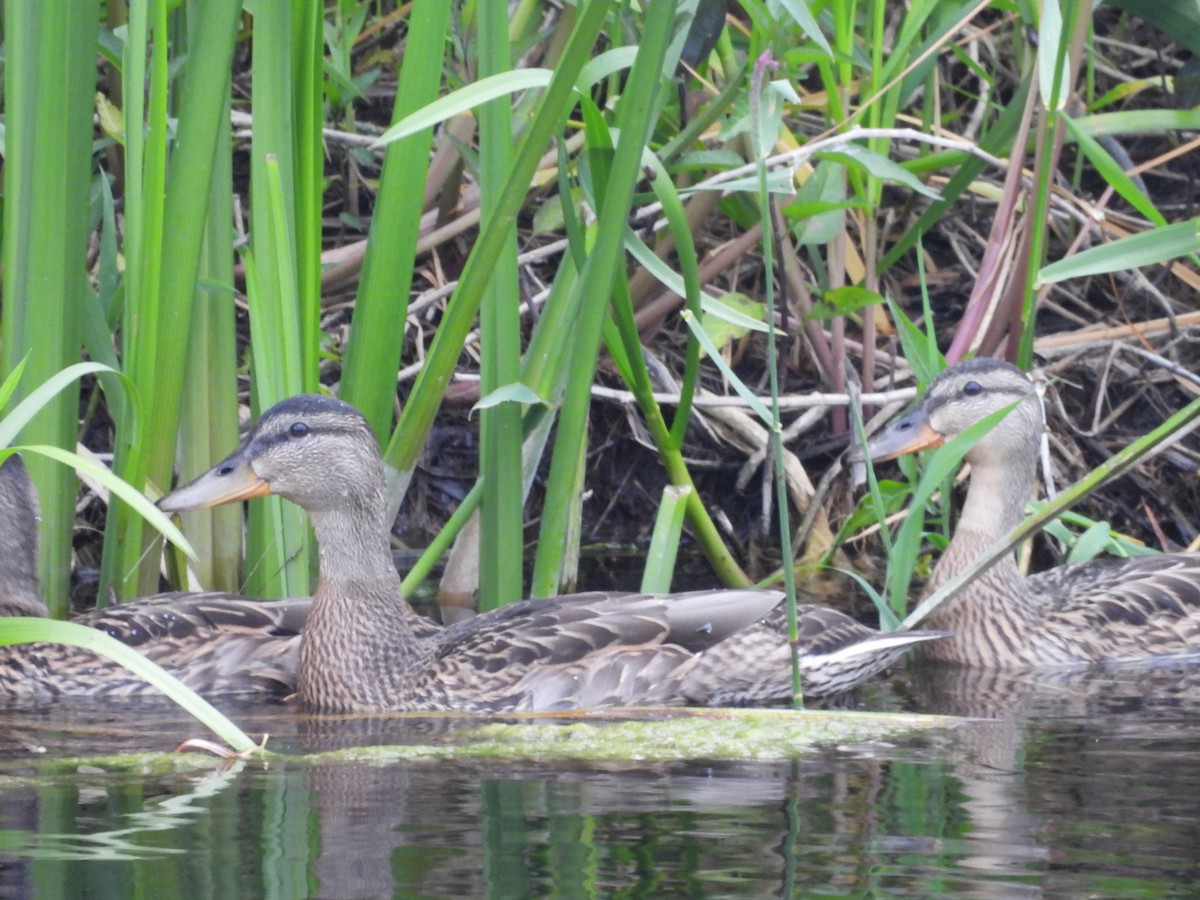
(995, 505)
(353, 547)
(357, 644)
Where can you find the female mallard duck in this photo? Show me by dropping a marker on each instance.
(359, 651)
(1103, 611)
(218, 644)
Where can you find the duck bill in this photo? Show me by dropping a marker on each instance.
(906, 435)
(227, 482)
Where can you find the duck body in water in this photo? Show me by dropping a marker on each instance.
(1114, 611)
(359, 651)
(218, 644)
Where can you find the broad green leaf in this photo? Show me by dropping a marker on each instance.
(1112, 172)
(1093, 542)
(1144, 249)
(798, 10)
(715, 355)
(664, 542)
(465, 98)
(940, 465)
(720, 329)
(123, 489)
(1136, 121)
(10, 383)
(11, 424)
(673, 281)
(844, 301)
(607, 63)
(517, 392)
(706, 160)
(879, 166)
(779, 181)
(920, 347)
(817, 207)
(1049, 51)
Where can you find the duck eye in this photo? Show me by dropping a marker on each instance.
(971, 388)
(298, 429)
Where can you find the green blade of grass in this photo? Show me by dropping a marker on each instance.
(49, 87)
(22, 630)
(941, 465)
(1143, 249)
(373, 350)
(664, 540)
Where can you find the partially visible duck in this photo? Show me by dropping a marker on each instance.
(218, 644)
(1097, 612)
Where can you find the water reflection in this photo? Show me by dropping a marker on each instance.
(1074, 784)
(1099, 768)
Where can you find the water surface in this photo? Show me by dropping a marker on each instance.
(1067, 785)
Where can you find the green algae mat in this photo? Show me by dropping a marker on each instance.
(630, 736)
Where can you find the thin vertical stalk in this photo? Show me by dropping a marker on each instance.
(500, 537)
(377, 335)
(49, 83)
(635, 117)
(775, 425)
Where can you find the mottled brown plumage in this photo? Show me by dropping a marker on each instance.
(218, 644)
(1101, 611)
(837, 654)
(359, 650)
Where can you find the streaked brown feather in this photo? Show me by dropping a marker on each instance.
(837, 653)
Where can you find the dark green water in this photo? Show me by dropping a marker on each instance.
(1073, 786)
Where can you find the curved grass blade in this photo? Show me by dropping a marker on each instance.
(123, 489)
(464, 99)
(24, 630)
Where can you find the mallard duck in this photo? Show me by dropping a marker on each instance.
(359, 651)
(1096, 612)
(218, 644)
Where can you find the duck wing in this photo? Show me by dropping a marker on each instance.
(1120, 610)
(216, 643)
(583, 651)
(837, 654)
